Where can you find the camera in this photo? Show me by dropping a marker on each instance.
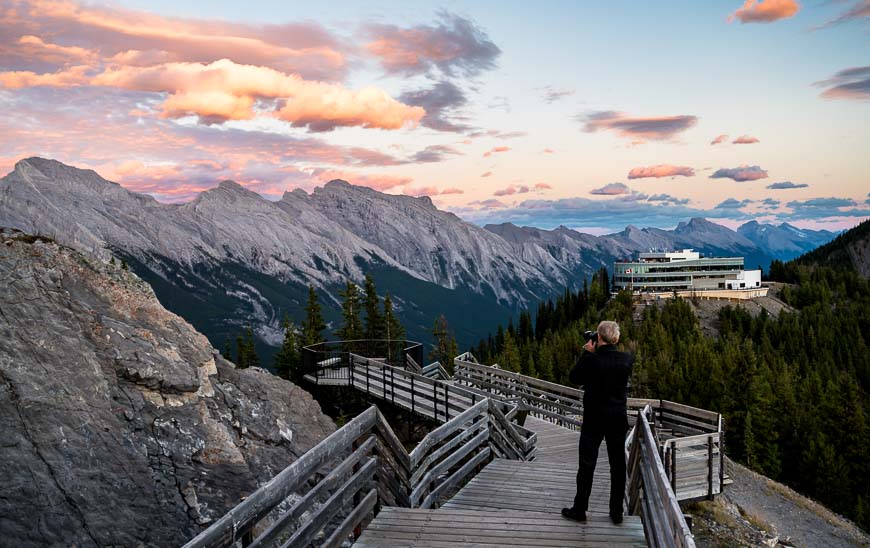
(591, 336)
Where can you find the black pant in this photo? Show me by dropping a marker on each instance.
(613, 430)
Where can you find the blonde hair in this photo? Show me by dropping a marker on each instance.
(609, 332)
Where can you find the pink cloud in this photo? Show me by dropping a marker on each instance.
(543, 186)
(511, 190)
(765, 11)
(741, 173)
(431, 191)
(851, 83)
(307, 49)
(548, 151)
(719, 139)
(659, 171)
(745, 140)
(640, 129)
(35, 47)
(487, 174)
(495, 150)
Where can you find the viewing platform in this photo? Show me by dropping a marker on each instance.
(495, 473)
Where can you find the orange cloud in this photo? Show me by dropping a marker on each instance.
(35, 47)
(548, 151)
(543, 186)
(720, 139)
(224, 90)
(495, 150)
(765, 11)
(745, 140)
(306, 49)
(659, 171)
(487, 174)
(71, 77)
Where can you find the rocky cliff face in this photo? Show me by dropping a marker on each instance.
(119, 423)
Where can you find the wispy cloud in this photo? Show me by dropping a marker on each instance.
(455, 46)
(740, 173)
(434, 153)
(551, 94)
(495, 150)
(719, 139)
(512, 189)
(786, 185)
(611, 189)
(851, 83)
(639, 129)
(765, 11)
(661, 170)
(858, 11)
(745, 140)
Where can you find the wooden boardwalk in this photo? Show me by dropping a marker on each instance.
(514, 503)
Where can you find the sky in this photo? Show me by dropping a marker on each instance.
(591, 115)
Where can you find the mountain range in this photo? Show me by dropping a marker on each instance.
(231, 258)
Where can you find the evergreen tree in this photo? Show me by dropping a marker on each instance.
(352, 328)
(252, 360)
(392, 325)
(374, 324)
(445, 343)
(241, 353)
(288, 360)
(228, 349)
(124, 265)
(312, 329)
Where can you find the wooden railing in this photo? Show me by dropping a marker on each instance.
(649, 492)
(691, 440)
(363, 465)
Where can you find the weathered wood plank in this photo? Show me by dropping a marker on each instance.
(232, 525)
(364, 508)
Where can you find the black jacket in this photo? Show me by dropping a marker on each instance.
(604, 376)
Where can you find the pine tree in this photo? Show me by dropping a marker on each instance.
(287, 359)
(112, 261)
(352, 327)
(394, 328)
(374, 319)
(228, 349)
(252, 360)
(312, 329)
(445, 343)
(124, 265)
(241, 353)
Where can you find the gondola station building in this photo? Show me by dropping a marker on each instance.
(687, 274)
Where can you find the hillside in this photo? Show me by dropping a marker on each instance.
(850, 249)
(120, 424)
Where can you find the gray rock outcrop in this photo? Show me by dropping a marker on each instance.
(119, 423)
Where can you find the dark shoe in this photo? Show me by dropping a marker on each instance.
(616, 518)
(574, 515)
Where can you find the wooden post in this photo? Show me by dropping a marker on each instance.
(709, 467)
(412, 393)
(384, 380)
(393, 385)
(674, 466)
(435, 400)
(446, 407)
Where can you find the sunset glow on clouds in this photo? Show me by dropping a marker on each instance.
(456, 105)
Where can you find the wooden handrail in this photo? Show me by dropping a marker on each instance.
(650, 493)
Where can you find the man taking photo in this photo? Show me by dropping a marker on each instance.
(603, 372)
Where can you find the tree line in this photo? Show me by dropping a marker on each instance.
(364, 316)
(793, 389)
